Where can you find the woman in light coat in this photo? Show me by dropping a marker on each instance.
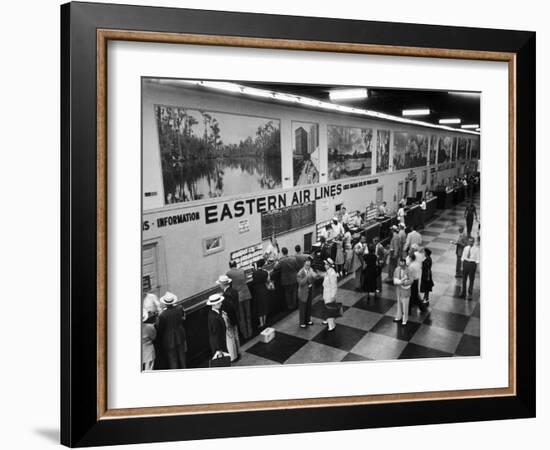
(330, 286)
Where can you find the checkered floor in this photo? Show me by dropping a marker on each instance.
(450, 326)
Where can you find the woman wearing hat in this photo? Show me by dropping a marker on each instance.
(426, 281)
(230, 307)
(330, 286)
(216, 326)
(171, 334)
(148, 335)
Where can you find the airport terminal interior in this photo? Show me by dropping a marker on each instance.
(300, 224)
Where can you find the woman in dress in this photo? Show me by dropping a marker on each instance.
(148, 335)
(426, 281)
(348, 251)
(371, 271)
(381, 253)
(260, 292)
(330, 286)
(339, 258)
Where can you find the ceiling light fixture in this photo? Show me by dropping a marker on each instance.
(348, 94)
(449, 121)
(470, 126)
(466, 94)
(416, 112)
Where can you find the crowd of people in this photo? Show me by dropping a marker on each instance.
(230, 318)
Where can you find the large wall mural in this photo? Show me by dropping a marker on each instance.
(305, 152)
(349, 151)
(409, 150)
(434, 142)
(211, 154)
(382, 151)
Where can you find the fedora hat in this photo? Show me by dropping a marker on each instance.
(169, 299)
(214, 299)
(330, 262)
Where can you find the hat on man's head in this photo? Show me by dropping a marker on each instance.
(169, 299)
(395, 228)
(401, 225)
(214, 299)
(223, 280)
(330, 262)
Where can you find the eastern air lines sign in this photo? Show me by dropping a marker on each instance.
(233, 210)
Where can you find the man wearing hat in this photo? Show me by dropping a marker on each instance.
(216, 326)
(230, 306)
(403, 238)
(171, 334)
(395, 252)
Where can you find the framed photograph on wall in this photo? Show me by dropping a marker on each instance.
(258, 224)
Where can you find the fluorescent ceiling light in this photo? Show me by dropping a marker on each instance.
(467, 94)
(347, 94)
(472, 126)
(449, 121)
(416, 112)
(291, 98)
(478, 129)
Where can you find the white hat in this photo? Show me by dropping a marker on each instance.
(169, 299)
(214, 299)
(330, 262)
(401, 224)
(395, 227)
(223, 279)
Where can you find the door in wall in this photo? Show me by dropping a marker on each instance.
(307, 242)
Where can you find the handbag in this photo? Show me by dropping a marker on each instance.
(335, 309)
(222, 361)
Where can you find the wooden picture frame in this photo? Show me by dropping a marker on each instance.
(85, 417)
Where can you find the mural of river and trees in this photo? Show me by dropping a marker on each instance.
(382, 151)
(409, 150)
(212, 154)
(305, 152)
(349, 152)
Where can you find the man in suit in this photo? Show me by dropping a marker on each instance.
(216, 326)
(306, 276)
(288, 269)
(470, 260)
(238, 282)
(171, 334)
(301, 258)
(395, 253)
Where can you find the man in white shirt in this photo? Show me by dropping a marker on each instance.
(422, 212)
(383, 210)
(344, 216)
(357, 221)
(470, 260)
(414, 238)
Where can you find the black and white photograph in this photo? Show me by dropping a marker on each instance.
(282, 226)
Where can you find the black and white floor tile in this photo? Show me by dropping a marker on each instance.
(366, 331)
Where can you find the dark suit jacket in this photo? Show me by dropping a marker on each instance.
(288, 268)
(301, 259)
(170, 330)
(231, 305)
(304, 281)
(216, 332)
